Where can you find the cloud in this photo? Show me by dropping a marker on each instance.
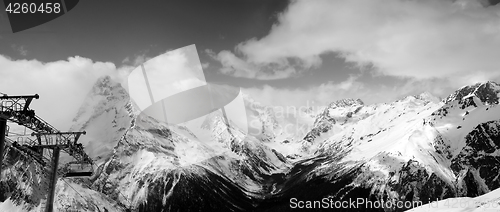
(20, 49)
(319, 95)
(352, 87)
(169, 73)
(349, 83)
(135, 60)
(237, 67)
(421, 39)
(62, 85)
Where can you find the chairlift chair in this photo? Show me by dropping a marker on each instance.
(79, 169)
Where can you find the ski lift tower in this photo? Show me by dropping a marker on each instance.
(16, 109)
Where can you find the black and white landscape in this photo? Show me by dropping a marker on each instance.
(336, 105)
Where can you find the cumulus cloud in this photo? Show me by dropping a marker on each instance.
(421, 39)
(62, 85)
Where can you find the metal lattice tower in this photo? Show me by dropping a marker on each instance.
(49, 141)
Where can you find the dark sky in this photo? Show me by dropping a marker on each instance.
(112, 30)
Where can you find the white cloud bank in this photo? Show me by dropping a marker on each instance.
(419, 39)
(62, 85)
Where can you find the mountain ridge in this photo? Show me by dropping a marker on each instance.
(413, 149)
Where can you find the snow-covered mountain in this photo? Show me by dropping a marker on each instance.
(106, 114)
(418, 148)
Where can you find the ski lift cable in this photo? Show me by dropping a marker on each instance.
(79, 193)
(124, 197)
(130, 204)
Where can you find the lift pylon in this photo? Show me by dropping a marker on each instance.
(56, 142)
(66, 141)
(16, 109)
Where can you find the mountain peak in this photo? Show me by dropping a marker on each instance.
(346, 103)
(488, 92)
(426, 96)
(104, 95)
(104, 85)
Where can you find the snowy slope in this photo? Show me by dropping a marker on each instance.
(281, 127)
(487, 202)
(147, 153)
(418, 148)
